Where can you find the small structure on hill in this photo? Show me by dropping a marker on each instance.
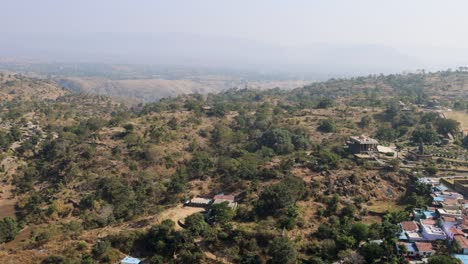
(217, 199)
(221, 198)
(130, 260)
(198, 202)
(362, 144)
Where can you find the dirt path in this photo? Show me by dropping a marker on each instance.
(7, 201)
(175, 214)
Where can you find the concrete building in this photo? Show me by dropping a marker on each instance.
(452, 232)
(418, 249)
(362, 144)
(424, 249)
(221, 198)
(447, 223)
(431, 231)
(410, 231)
(449, 212)
(198, 202)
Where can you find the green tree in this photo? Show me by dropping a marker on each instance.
(427, 135)
(445, 126)
(278, 139)
(221, 213)
(325, 103)
(365, 121)
(8, 229)
(54, 260)
(100, 248)
(282, 251)
(280, 196)
(196, 224)
(359, 231)
(443, 259)
(371, 252)
(327, 126)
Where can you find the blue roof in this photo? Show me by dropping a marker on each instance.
(130, 260)
(463, 258)
(429, 214)
(403, 236)
(441, 188)
(438, 199)
(410, 247)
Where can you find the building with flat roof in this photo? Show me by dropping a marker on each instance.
(362, 144)
(199, 202)
(449, 212)
(431, 231)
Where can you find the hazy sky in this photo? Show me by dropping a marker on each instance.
(395, 22)
(412, 26)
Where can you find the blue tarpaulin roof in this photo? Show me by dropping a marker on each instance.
(438, 199)
(130, 260)
(441, 188)
(410, 247)
(429, 214)
(402, 236)
(463, 258)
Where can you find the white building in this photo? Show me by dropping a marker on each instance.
(431, 231)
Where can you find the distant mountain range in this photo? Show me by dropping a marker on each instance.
(205, 51)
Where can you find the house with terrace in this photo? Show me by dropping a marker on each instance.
(447, 222)
(431, 231)
(457, 213)
(410, 231)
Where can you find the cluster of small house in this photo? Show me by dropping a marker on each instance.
(208, 202)
(446, 220)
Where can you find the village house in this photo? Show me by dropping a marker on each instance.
(417, 249)
(207, 203)
(410, 231)
(431, 231)
(198, 202)
(362, 144)
(424, 249)
(447, 223)
(221, 198)
(452, 232)
(449, 212)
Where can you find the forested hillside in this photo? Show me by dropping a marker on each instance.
(86, 179)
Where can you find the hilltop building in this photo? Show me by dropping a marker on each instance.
(362, 144)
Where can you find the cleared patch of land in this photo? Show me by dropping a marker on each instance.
(460, 116)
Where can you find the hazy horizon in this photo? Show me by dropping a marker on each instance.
(346, 37)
